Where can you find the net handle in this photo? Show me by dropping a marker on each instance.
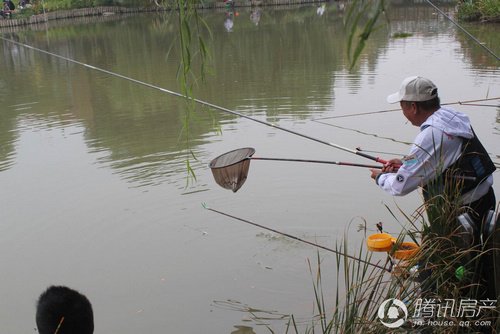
(340, 163)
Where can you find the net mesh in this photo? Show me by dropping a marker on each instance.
(230, 169)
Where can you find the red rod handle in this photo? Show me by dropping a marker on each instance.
(377, 159)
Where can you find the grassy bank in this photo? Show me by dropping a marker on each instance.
(39, 11)
(479, 10)
(39, 7)
(483, 10)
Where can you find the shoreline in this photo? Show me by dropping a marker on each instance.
(114, 10)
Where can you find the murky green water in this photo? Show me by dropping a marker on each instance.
(93, 165)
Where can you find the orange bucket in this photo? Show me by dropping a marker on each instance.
(379, 242)
(406, 250)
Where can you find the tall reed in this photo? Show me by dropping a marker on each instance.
(446, 271)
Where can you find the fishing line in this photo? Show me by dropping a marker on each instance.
(479, 105)
(357, 114)
(380, 152)
(364, 133)
(464, 30)
(295, 238)
(207, 104)
(469, 102)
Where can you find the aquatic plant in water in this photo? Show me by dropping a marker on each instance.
(401, 35)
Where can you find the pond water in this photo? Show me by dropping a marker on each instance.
(95, 192)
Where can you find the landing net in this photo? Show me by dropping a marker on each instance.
(230, 169)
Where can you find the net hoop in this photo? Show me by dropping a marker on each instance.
(230, 169)
(232, 157)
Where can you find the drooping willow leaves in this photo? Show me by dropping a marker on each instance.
(192, 28)
(361, 20)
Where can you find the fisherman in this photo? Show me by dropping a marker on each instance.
(9, 5)
(24, 4)
(446, 156)
(5, 11)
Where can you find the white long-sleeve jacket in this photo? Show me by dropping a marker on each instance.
(437, 146)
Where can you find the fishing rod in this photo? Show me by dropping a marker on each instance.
(468, 102)
(204, 103)
(464, 30)
(296, 238)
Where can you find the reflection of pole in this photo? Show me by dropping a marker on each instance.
(158, 4)
(44, 13)
(46, 23)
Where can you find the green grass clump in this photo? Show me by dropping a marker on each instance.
(479, 10)
(401, 35)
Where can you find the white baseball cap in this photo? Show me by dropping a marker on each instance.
(414, 89)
